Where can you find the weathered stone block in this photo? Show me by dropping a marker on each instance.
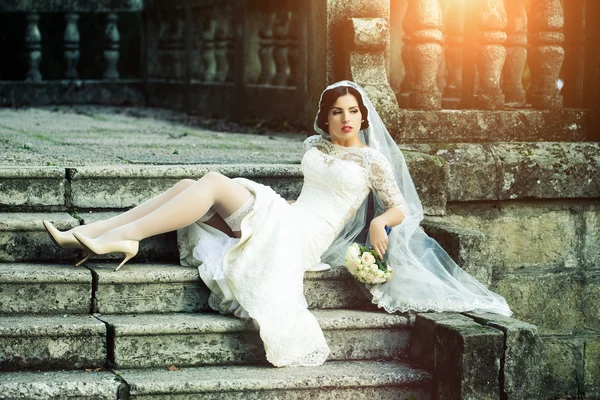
(431, 179)
(591, 370)
(148, 289)
(563, 362)
(125, 186)
(464, 355)
(39, 289)
(333, 380)
(23, 237)
(548, 170)
(522, 367)
(519, 236)
(369, 34)
(590, 299)
(61, 342)
(464, 245)
(548, 299)
(59, 385)
(591, 236)
(161, 340)
(32, 187)
(161, 247)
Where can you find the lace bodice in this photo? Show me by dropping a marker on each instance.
(338, 179)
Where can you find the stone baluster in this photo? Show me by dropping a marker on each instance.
(516, 53)
(441, 74)
(546, 54)
(485, 56)
(231, 46)
(33, 47)
(281, 27)
(111, 49)
(408, 83)
(265, 52)
(221, 39)
(455, 28)
(208, 48)
(71, 43)
(293, 56)
(425, 52)
(574, 67)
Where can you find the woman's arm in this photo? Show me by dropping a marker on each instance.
(391, 217)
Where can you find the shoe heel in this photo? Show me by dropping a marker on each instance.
(128, 256)
(87, 256)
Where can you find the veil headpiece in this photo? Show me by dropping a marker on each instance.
(426, 278)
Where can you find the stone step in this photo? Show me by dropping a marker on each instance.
(333, 380)
(45, 289)
(52, 342)
(159, 288)
(82, 385)
(163, 340)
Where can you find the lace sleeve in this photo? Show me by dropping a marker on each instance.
(381, 179)
(311, 142)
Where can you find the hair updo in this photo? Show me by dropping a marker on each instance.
(330, 97)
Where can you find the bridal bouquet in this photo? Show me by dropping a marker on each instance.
(363, 263)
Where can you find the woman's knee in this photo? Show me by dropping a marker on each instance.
(183, 184)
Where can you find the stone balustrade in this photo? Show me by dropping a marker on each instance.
(496, 54)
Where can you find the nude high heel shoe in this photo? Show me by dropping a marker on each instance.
(128, 247)
(64, 240)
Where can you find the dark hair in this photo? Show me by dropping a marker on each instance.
(330, 97)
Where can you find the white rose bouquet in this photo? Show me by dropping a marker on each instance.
(363, 263)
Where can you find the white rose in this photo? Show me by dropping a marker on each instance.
(374, 268)
(370, 277)
(353, 252)
(352, 265)
(380, 273)
(367, 258)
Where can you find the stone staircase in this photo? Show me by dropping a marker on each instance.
(146, 331)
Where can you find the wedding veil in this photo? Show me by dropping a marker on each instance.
(426, 278)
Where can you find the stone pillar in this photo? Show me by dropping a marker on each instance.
(281, 28)
(368, 42)
(33, 47)
(546, 53)
(408, 83)
(485, 55)
(221, 44)
(71, 43)
(267, 63)
(574, 68)
(209, 61)
(455, 28)
(516, 53)
(111, 49)
(425, 52)
(441, 74)
(293, 48)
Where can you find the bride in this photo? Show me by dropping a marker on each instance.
(252, 247)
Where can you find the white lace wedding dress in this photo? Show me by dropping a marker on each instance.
(260, 275)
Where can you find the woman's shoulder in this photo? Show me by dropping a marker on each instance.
(313, 139)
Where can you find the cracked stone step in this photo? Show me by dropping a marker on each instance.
(333, 380)
(44, 289)
(32, 188)
(51, 342)
(34, 385)
(162, 340)
(158, 288)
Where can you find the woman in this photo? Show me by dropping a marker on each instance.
(255, 247)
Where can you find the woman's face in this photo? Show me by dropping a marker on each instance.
(344, 119)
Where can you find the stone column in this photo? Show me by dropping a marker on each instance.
(71, 43)
(111, 49)
(281, 28)
(267, 63)
(516, 53)
(574, 68)
(484, 55)
(33, 47)
(455, 39)
(209, 61)
(425, 52)
(546, 53)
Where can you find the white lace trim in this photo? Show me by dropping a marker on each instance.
(235, 220)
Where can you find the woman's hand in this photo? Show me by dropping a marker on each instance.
(379, 239)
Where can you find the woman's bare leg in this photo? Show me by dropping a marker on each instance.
(214, 190)
(98, 228)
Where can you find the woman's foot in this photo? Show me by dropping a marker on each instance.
(66, 240)
(128, 247)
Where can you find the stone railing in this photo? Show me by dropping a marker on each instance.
(43, 66)
(231, 58)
